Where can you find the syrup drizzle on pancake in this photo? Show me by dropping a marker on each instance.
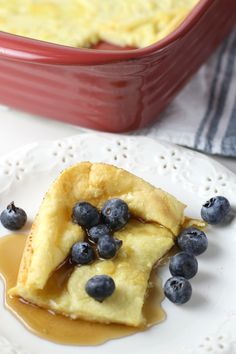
(58, 328)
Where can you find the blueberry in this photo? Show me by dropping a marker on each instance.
(107, 247)
(82, 253)
(115, 213)
(100, 287)
(178, 290)
(85, 215)
(13, 218)
(215, 210)
(192, 240)
(96, 232)
(183, 264)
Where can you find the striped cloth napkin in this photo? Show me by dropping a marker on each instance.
(203, 115)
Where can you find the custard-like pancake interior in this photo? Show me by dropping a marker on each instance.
(142, 245)
(144, 242)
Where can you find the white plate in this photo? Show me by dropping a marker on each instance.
(208, 322)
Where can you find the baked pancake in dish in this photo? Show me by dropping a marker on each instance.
(81, 23)
(156, 219)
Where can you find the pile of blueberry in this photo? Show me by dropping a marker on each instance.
(184, 265)
(100, 242)
(192, 242)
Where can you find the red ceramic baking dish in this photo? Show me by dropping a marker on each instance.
(107, 88)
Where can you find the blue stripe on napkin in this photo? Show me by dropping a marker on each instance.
(228, 144)
(213, 117)
(212, 93)
(222, 97)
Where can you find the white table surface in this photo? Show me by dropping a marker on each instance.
(18, 129)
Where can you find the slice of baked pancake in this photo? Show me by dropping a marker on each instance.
(157, 218)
